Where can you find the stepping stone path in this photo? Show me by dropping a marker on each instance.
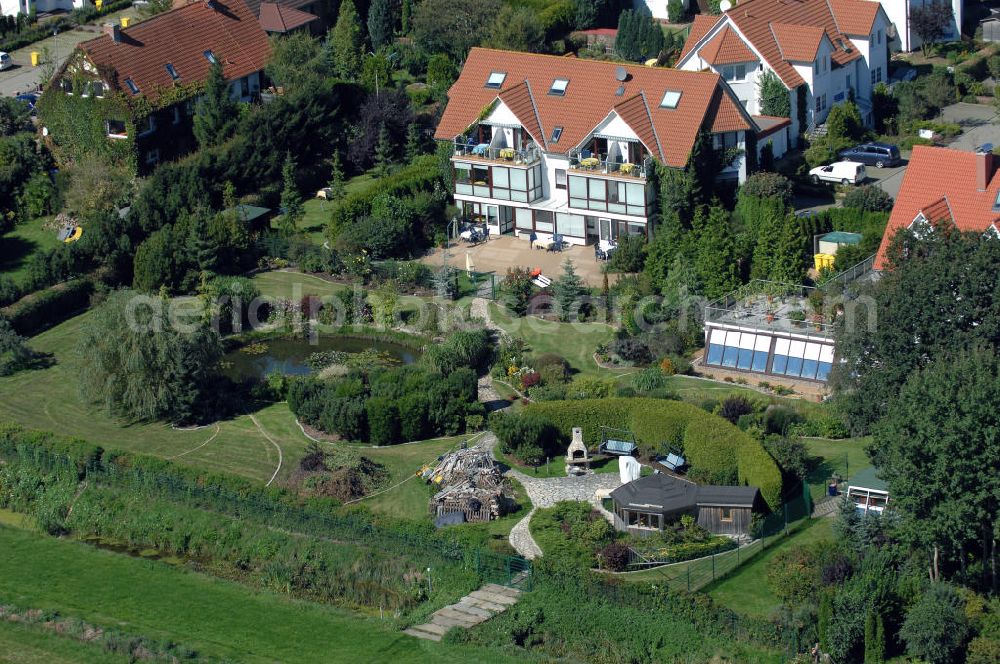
(826, 507)
(476, 607)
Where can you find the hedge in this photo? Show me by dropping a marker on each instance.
(43, 309)
(419, 175)
(710, 443)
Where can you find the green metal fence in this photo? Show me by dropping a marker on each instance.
(511, 571)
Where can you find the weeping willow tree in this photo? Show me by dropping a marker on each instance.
(141, 363)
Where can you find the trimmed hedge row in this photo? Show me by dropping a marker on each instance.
(420, 175)
(710, 443)
(43, 309)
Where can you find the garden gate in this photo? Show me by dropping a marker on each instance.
(510, 571)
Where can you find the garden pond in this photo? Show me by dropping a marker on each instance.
(290, 356)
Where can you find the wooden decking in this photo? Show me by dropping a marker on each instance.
(476, 607)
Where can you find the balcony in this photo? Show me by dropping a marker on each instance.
(504, 155)
(594, 165)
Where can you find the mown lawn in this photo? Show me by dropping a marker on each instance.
(746, 590)
(219, 618)
(296, 285)
(18, 246)
(843, 457)
(318, 211)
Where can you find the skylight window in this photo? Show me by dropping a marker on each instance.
(670, 99)
(496, 79)
(173, 72)
(210, 57)
(996, 203)
(556, 135)
(133, 88)
(559, 87)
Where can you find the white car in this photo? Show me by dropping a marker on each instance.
(5, 61)
(844, 172)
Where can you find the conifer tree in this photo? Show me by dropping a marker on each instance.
(568, 289)
(345, 42)
(381, 21)
(412, 142)
(383, 153)
(291, 199)
(336, 184)
(217, 112)
(406, 17)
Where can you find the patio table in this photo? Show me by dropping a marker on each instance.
(544, 243)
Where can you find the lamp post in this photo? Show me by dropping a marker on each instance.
(372, 53)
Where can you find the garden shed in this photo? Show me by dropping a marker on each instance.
(649, 504)
(868, 491)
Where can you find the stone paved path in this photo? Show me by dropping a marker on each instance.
(476, 607)
(546, 492)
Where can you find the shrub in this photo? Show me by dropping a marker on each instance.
(589, 387)
(734, 407)
(615, 556)
(383, 421)
(471, 349)
(649, 379)
(767, 185)
(552, 368)
(514, 432)
(779, 419)
(530, 379)
(43, 309)
(869, 198)
(983, 650)
(632, 350)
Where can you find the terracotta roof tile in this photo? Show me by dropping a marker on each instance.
(798, 25)
(589, 97)
(938, 211)
(635, 113)
(254, 5)
(924, 189)
(279, 18)
(522, 104)
(726, 48)
(797, 43)
(726, 113)
(180, 37)
(701, 26)
(854, 18)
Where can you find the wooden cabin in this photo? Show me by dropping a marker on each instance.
(649, 504)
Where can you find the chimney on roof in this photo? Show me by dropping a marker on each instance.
(114, 31)
(984, 169)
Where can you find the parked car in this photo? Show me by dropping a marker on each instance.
(878, 155)
(5, 61)
(844, 172)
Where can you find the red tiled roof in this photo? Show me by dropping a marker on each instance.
(702, 24)
(279, 18)
(783, 30)
(855, 18)
(180, 37)
(603, 32)
(797, 43)
(590, 97)
(521, 103)
(940, 182)
(726, 48)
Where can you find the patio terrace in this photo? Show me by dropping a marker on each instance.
(768, 305)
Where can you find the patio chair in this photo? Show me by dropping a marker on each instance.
(532, 239)
(599, 253)
(557, 242)
(586, 154)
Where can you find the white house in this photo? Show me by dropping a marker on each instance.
(15, 7)
(823, 52)
(903, 37)
(545, 144)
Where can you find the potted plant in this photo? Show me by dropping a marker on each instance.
(769, 315)
(797, 316)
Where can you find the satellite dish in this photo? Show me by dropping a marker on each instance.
(621, 74)
(725, 5)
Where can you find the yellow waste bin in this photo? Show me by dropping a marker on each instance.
(824, 261)
(125, 20)
(36, 58)
(98, 3)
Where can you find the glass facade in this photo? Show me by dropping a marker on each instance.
(606, 195)
(499, 182)
(751, 352)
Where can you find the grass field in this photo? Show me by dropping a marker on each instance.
(17, 246)
(318, 211)
(218, 618)
(296, 285)
(746, 590)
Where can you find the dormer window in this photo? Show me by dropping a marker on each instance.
(210, 57)
(132, 87)
(996, 203)
(173, 72)
(670, 99)
(559, 87)
(556, 135)
(496, 79)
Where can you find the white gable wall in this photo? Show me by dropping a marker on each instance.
(899, 12)
(615, 126)
(502, 115)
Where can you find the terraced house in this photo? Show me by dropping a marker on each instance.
(559, 145)
(131, 92)
(823, 52)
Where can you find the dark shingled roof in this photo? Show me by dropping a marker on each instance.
(665, 493)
